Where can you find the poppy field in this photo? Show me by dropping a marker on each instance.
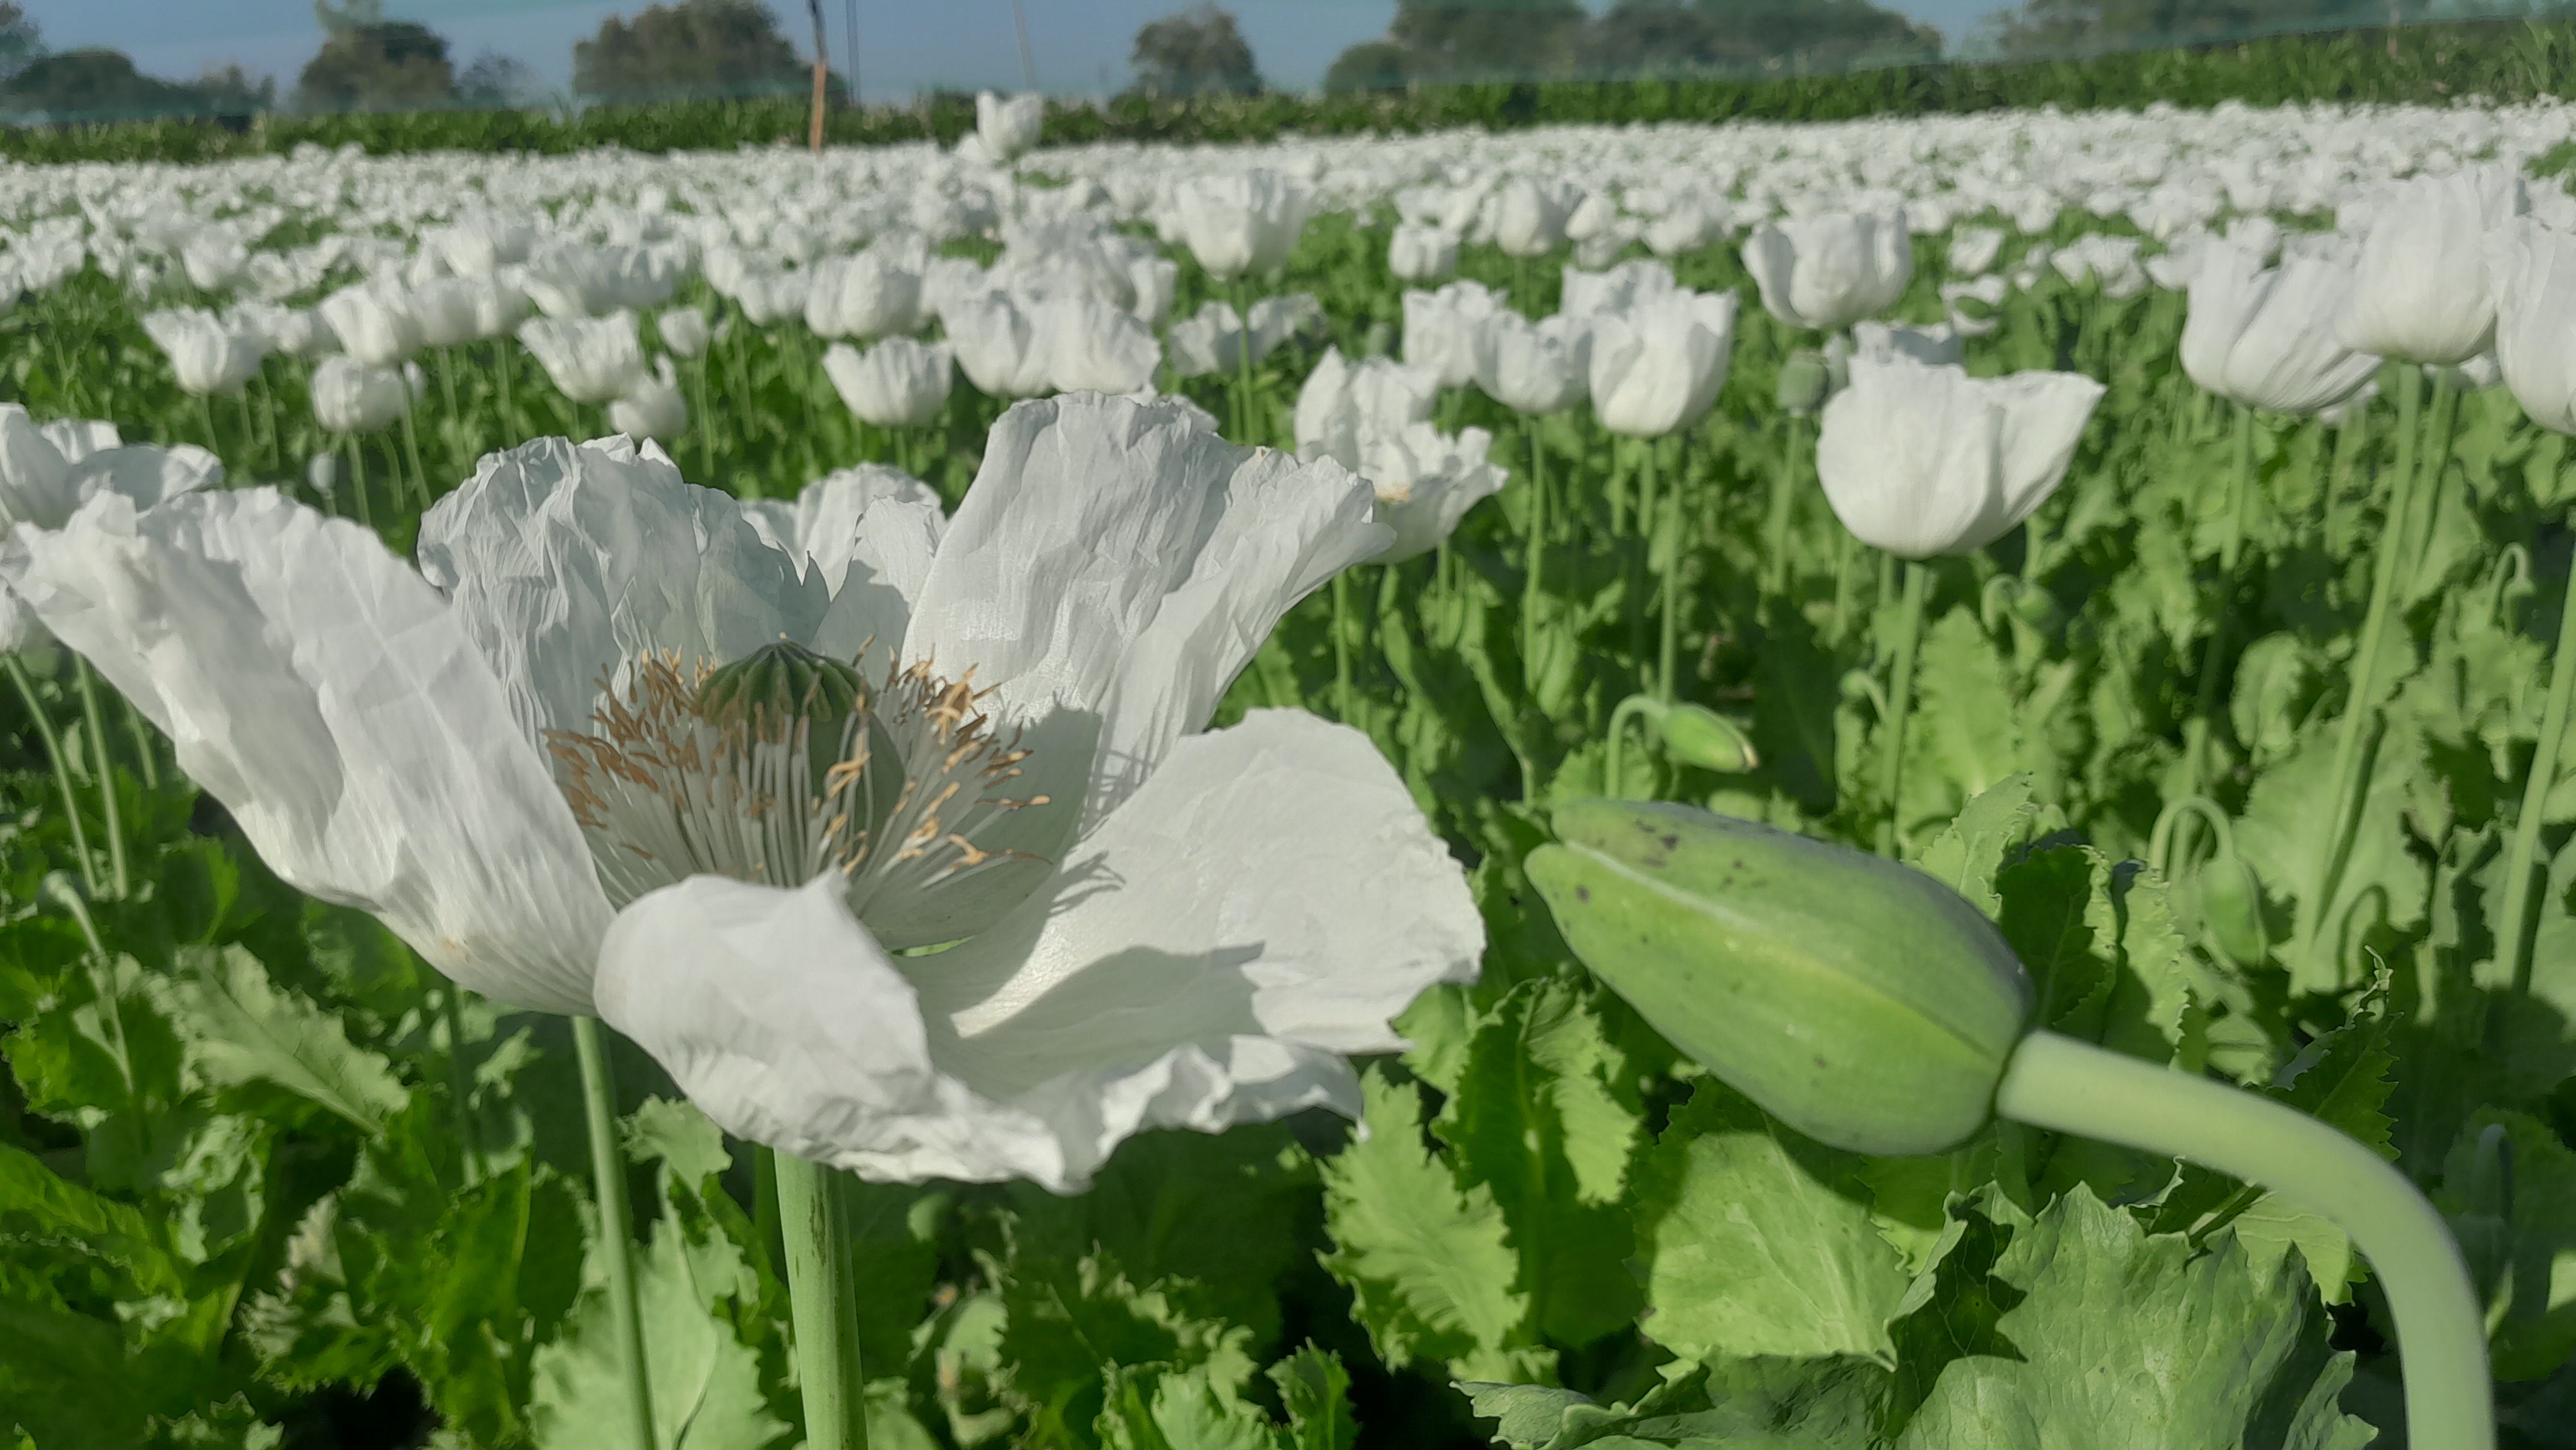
(1646, 786)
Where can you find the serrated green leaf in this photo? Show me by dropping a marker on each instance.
(1316, 1391)
(240, 1028)
(1969, 851)
(37, 1201)
(1156, 1408)
(2535, 1331)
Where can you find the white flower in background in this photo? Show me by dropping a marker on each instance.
(1155, 281)
(1212, 339)
(2265, 337)
(2534, 268)
(2421, 292)
(1421, 254)
(205, 355)
(1094, 345)
(1342, 404)
(1657, 369)
(455, 310)
(1145, 925)
(1441, 329)
(214, 259)
(47, 471)
(827, 525)
(2110, 263)
(566, 280)
(1535, 368)
(1008, 129)
(1426, 480)
(1832, 269)
(861, 296)
(590, 359)
(1932, 346)
(478, 246)
(1974, 250)
(1623, 288)
(302, 332)
(683, 330)
(999, 348)
(899, 383)
(2259, 236)
(1987, 292)
(652, 406)
(1244, 222)
(375, 326)
(352, 397)
(1686, 228)
(1530, 215)
(1921, 460)
(770, 297)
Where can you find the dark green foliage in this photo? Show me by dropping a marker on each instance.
(1197, 52)
(395, 66)
(694, 48)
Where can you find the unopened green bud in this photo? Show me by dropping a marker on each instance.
(2229, 898)
(779, 682)
(1859, 1001)
(1804, 383)
(1698, 735)
(2038, 608)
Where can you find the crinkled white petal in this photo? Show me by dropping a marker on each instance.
(563, 561)
(335, 705)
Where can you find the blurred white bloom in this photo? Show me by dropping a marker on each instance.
(1212, 339)
(2421, 292)
(683, 330)
(769, 297)
(1623, 288)
(1242, 222)
(2266, 337)
(206, 356)
(1095, 346)
(1009, 128)
(374, 328)
(899, 383)
(1154, 280)
(1932, 346)
(1530, 215)
(215, 259)
(590, 359)
(1922, 461)
(47, 471)
(2535, 332)
(1343, 403)
(1535, 368)
(1832, 269)
(351, 397)
(998, 346)
(1426, 481)
(1441, 329)
(1973, 250)
(862, 296)
(1657, 369)
(652, 407)
(479, 246)
(1987, 291)
(1421, 254)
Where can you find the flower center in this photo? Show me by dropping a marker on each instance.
(785, 765)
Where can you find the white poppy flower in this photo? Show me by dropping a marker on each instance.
(1921, 459)
(507, 757)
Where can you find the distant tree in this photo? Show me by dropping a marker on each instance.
(231, 90)
(1371, 65)
(497, 82)
(1665, 36)
(730, 47)
(21, 43)
(1195, 52)
(2086, 27)
(90, 82)
(389, 66)
(1476, 40)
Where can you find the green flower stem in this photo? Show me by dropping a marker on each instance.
(704, 421)
(1535, 558)
(2433, 465)
(206, 423)
(2535, 793)
(1668, 640)
(1784, 497)
(2214, 655)
(1633, 707)
(510, 392)
(1900, 703)
(147, 747)
(616, 1224)
(104, 767)
(1844, 546)
(2361, 703)
(1243, 360)
(2410, 405)
(62, 769)
(1342, 646)
(2068, 1086)
(446, 358)
(358, 480)
(2349, 439)
(411, 453)
(822, 1293)
(1634, 605)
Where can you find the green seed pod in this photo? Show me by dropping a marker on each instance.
(2038, 608)
(1697, 735)
(780, 682)
(1804, 383)
(1858, 1000)
(2230, 899)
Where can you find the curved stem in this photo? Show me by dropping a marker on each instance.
(2535, 792)
(104, 767)
(2160, 847)
(823, 1303)
(1631, 708)
(1909, 632)
(2361, 702)
(62, 769)
(616, 1223)
(2069, 1086)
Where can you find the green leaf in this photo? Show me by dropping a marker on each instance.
(1316, 1391)
(2279, 834)
(1431, 1265)
(241, 1029)
(1967, 736)
(64, 1380)
(1753, 1246)
(37, 1201)
(1156, 1408)
(1969, 851)
(2535, 1331)
(2122, 1334)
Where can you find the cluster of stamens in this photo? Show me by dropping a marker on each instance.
(686, 770)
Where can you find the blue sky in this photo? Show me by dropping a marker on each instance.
(1080, 46)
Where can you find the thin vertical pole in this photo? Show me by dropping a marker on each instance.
(1028, 63)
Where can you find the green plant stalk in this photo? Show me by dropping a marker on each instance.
(2434, 464)
(823, 1299)
(206, 421)
(358, 480)
(616, 1224)
(2230, 549)
(2068, 1086)
(1634, 605)
(1534, 558)
(469, 1151)
(146, 749)
(1784, 495)
(446, 358)
(1342, 701)
(1900, 703)
(62, 769)
(105, 767)
(2361, 705)
(411, 453)
(705, 421)
(1243, 357)
(1669, 637)
(2348, 444)
(510, 392)
(1615, 753)
(2535, 793)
